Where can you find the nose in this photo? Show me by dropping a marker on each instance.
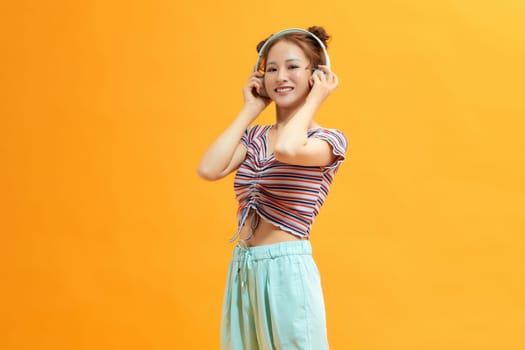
(282, 75)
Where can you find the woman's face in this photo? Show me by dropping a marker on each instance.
(287, 74)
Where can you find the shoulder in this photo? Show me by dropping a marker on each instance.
(255, 131)
(335, 137)
(258, 128)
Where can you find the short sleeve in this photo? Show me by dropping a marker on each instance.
(337, 140)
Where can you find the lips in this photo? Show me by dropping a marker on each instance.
(283, 89)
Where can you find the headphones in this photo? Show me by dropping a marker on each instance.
(289, 31)
(282, 33)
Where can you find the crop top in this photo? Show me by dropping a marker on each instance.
(286, 195)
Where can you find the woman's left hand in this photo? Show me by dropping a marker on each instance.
(323, 82)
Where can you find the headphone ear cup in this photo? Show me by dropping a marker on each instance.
(262, 92)
(263, 89)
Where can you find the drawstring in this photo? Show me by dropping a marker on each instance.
(245, 263)
(245, 256)
(254, 222)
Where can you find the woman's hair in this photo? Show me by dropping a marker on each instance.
(307, 43)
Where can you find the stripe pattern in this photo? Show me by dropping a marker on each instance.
(288, 196)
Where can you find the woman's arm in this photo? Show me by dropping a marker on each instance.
(292, 143)
(226, 153)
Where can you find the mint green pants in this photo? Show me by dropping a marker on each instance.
(273, 299)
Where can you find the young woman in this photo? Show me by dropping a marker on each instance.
(273, 297)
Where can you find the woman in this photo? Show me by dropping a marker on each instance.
(273, 297)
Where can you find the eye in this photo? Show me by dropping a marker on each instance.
(270, 69)
(293, 66)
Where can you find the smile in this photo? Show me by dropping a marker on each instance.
(283, 89)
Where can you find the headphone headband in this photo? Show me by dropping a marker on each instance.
(289, 31)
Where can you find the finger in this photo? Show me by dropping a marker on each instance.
(252, 85)
(255, 75)
(316, 76)
(317, 73)
(336, 80)
(333, 78)
(255, 82)
(324, 69)
(329, 74)
(321, 75)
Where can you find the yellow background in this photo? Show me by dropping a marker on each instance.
(111, 241)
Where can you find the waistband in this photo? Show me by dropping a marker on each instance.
(269, 251)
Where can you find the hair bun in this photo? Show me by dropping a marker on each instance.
(320, 32)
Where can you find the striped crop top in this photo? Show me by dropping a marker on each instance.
(288, 196)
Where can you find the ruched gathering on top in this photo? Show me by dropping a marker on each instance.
(286, 195)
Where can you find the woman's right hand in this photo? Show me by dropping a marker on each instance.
(226, 153)
(252, 92)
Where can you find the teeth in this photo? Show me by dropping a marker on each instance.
(284, 89)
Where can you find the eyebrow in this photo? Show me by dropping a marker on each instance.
(288, 60)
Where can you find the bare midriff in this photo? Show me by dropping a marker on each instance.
(263, 233)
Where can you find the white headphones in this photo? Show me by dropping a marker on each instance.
(288, 31)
